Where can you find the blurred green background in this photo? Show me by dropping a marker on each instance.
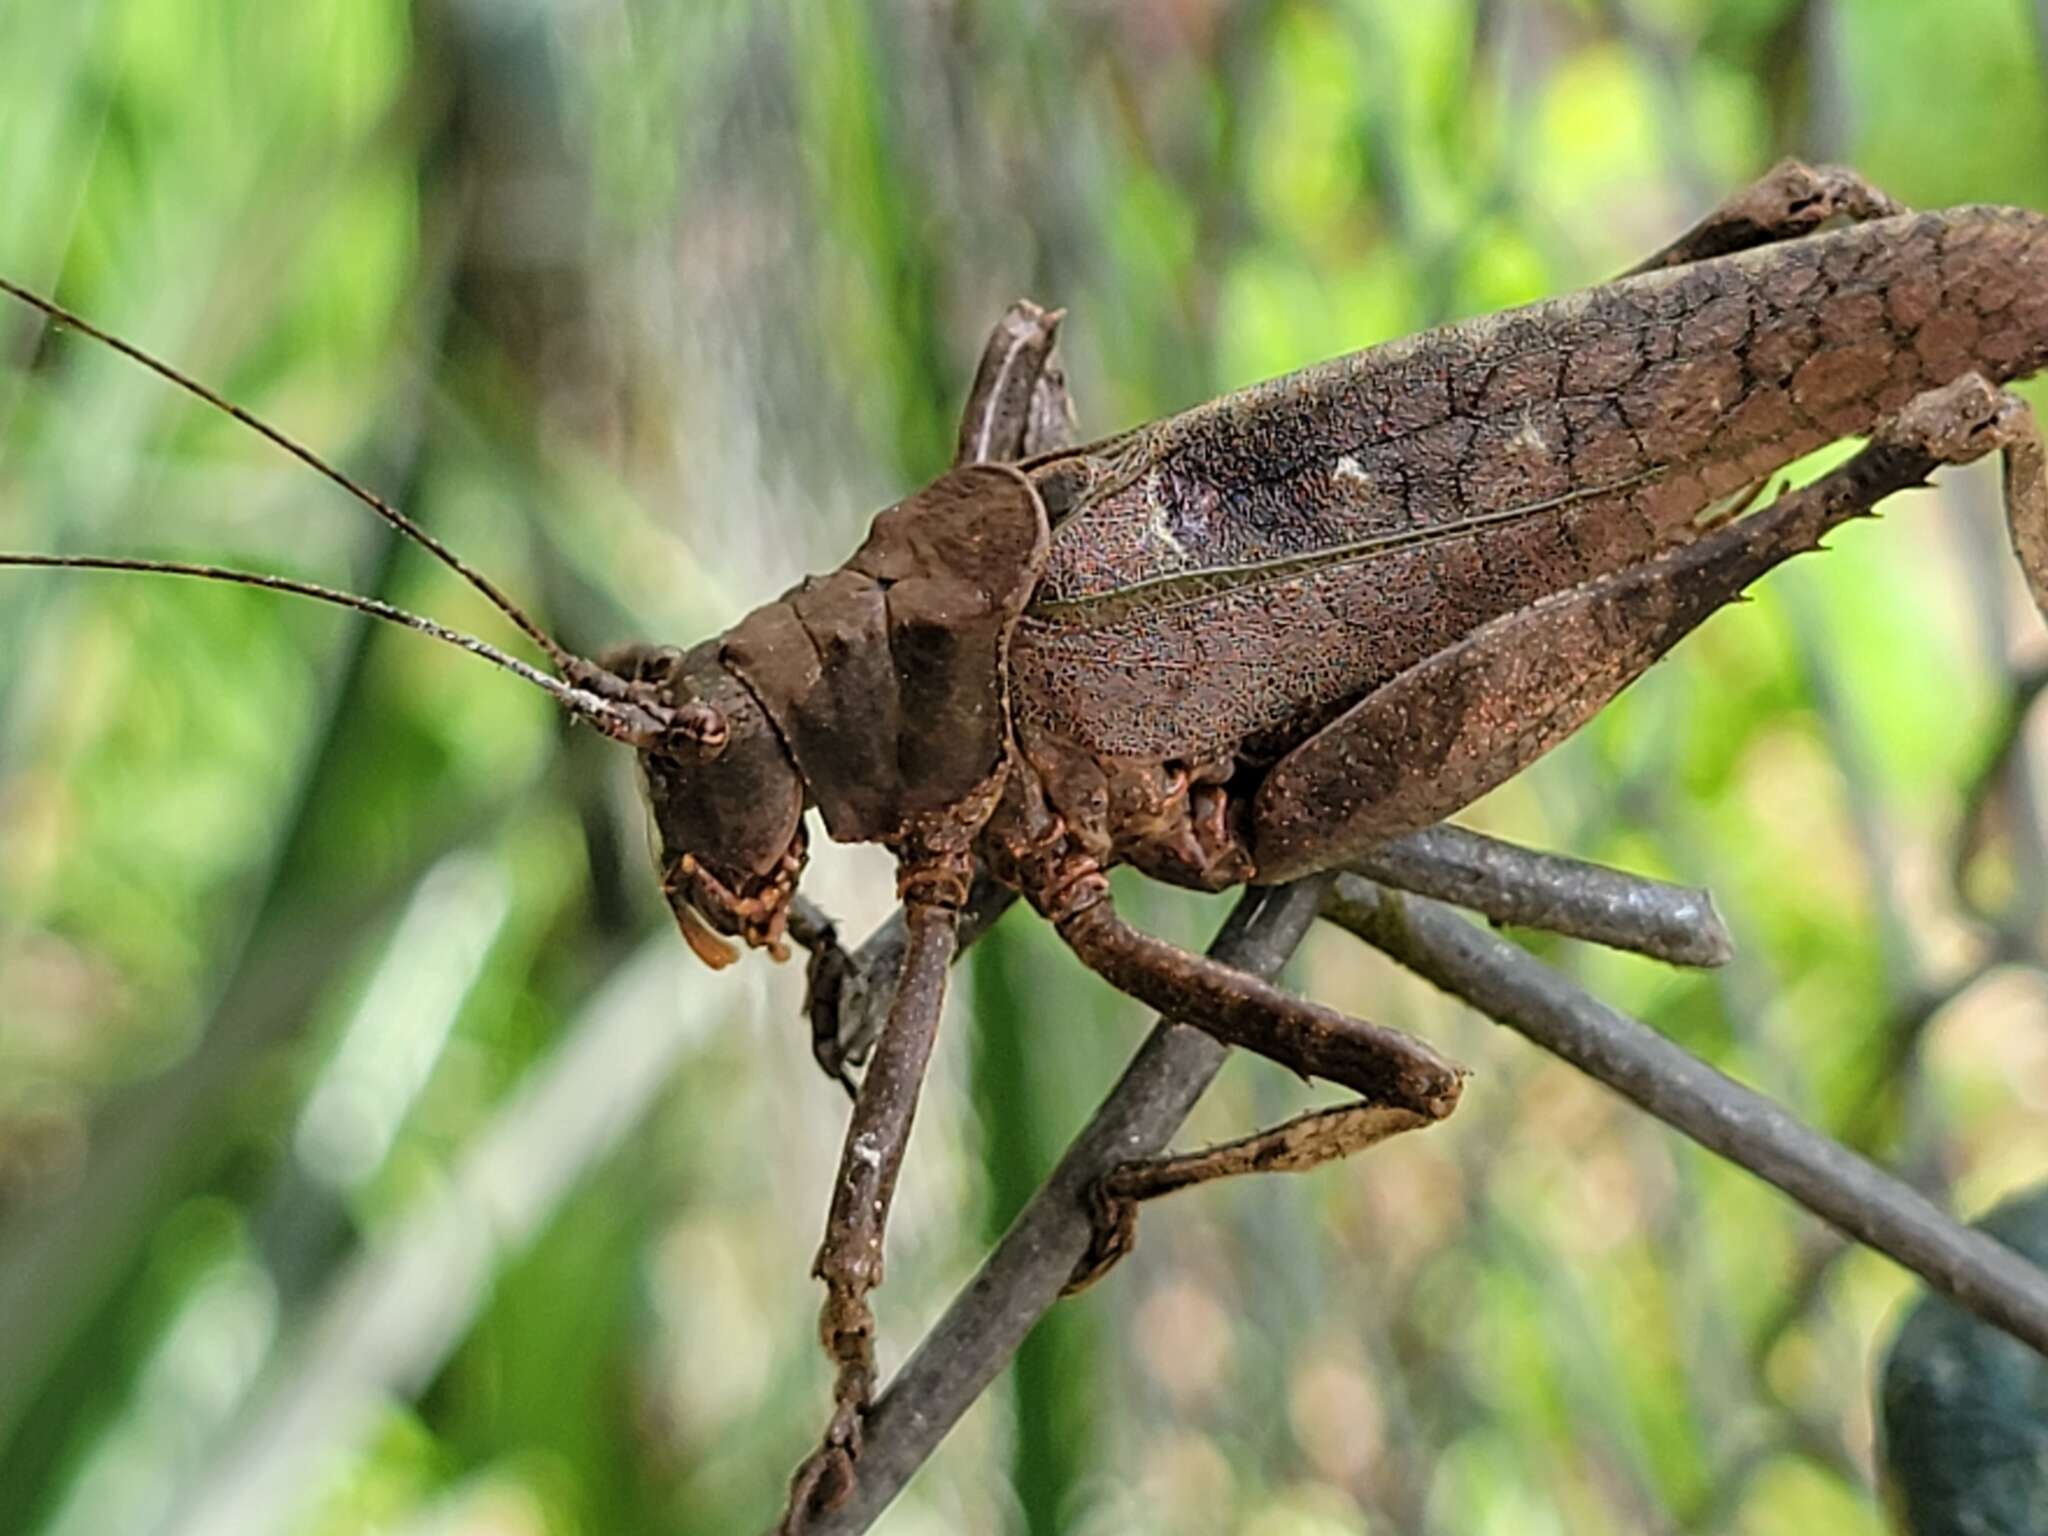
(373, 1157)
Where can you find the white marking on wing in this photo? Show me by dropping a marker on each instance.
(1160, 525)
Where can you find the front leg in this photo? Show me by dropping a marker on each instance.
(850, 1260)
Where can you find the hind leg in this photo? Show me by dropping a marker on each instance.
(1454, 726)
(2026, 495)
(1789, 200)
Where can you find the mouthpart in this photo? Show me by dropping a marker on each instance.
(709, 911)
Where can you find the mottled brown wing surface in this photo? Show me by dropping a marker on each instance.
(1240, 573)
(1434, 739)
(886, 677)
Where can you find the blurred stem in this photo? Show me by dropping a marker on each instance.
(1053, 1383)
(1664, 63)
(62, 1265)
(60, 1262)
(389, 1321)
(1848, 745)
(876, 206)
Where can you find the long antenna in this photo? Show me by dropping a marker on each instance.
(632, 723)
(563, 661)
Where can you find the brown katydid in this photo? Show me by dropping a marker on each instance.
(1250, 641)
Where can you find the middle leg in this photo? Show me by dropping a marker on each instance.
(1789, 200)
(1294, 1146)
(1382, 1065)
(1402, 1082)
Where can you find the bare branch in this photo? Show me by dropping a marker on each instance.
(1854, 1195)
(1499, 880)
(1511, 884)
(1021, 1280)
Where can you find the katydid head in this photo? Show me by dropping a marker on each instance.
(727, 799)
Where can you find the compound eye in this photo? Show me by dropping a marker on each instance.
(657, 664)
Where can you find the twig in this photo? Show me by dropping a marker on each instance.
(395, 1312)
(1511, 884)
(1517, 990)
(1019, 1282)
(1502, 881)
(1992, 777)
